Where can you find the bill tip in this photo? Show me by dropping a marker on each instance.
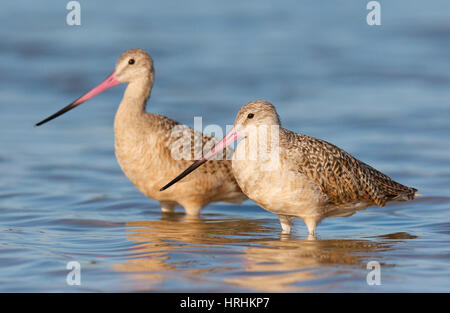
(165, 187)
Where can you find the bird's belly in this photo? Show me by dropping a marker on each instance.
(278, 189)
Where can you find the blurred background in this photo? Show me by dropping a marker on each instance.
(379, 92)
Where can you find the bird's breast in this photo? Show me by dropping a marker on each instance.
(139, 155)
(274, 184)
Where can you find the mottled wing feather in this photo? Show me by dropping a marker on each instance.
(196, 143)
(340, 176)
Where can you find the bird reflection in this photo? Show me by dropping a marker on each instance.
(248, 253)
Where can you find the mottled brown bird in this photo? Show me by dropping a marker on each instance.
(294, 175)
(152, 148)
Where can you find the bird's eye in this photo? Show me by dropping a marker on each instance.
(131, 61)
(250, 115)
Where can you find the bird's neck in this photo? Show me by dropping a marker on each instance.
(134, 100)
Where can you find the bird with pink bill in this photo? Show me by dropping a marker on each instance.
(294, 175)
(144, 143)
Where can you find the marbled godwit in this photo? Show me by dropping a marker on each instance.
(313, 179)
(143, 143)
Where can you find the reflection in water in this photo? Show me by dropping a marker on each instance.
(282, 265)
(158, 241)
(242, 253)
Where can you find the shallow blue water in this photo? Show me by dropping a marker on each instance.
(380, 92)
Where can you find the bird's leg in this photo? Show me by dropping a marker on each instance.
(286, 222)
(311, 224)
(192, 208)
(167, 206)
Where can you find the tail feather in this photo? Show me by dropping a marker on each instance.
(408, 193)
(388, 189)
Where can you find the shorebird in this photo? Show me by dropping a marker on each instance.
(300, 176)
(144, 143)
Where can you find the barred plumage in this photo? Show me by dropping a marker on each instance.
(341, 177)
(317, 179)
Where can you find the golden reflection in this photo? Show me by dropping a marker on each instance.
(156, 240)
(250, 255)
(282, 265)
